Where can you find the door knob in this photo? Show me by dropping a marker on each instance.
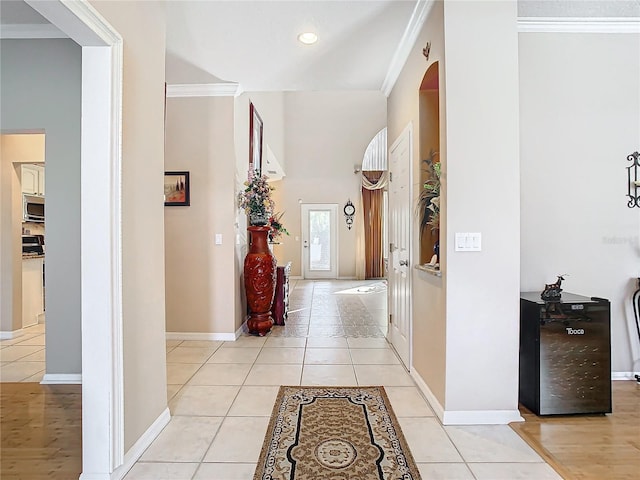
(404, 263)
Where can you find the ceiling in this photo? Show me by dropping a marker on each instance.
(254, 42)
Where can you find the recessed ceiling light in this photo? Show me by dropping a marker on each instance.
(308, 38)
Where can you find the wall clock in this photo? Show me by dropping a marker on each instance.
(349, 212)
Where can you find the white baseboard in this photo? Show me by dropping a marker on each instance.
(347, 278)
(226, 337)
(624, 375)
(295, 277)
(464, 417)
(481, 417)
(9, 335)
(428, 394)
(138, 448)
(61, 379)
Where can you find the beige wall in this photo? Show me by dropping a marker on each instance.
(142, 26)
(326, 134)
(580, 104)
(428, 296)
(200, 274)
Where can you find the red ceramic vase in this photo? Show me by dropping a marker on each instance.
(259, 281)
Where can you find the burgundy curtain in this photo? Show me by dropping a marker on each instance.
(372, 205)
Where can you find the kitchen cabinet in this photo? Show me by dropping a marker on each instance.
(32, 291)
(33, 179)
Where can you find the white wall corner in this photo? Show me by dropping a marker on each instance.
(8, 335)
(138, 448)
(409, 37)
(61, 379)
(470, 417)
(203, 90)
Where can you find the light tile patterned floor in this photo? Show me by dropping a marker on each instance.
(221, 393)
(23, 357)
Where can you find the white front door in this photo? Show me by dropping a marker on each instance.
(319, 241)
(400, 245)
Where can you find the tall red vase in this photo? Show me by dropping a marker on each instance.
(259, 281)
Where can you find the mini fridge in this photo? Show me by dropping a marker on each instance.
(565, 355)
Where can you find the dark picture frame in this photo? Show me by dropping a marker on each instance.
(176, 189)
(255, 140)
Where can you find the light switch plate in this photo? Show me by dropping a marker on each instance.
(218, 239)
(468, 242)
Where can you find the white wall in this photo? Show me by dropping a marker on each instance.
(40, 91)
(199, 273)
(580, 118)
(483, 195)
(326, 134)
(142, 26)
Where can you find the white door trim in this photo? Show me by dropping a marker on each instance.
(101, 253)
(334, 243)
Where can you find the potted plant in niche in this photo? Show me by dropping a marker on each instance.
(429, 200)
(428, 208)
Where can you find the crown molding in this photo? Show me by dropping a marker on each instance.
(203, 90)
(409, 37)
(579, 25)
(31, 30)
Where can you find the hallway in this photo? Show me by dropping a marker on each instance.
(221, 394)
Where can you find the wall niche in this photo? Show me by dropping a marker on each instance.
(429, 182)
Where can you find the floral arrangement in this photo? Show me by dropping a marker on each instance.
(429, 201)
(256, 199)
(277, 228)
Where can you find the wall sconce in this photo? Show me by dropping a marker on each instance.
(633, 180)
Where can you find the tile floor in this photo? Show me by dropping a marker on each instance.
(221, 393)
(22, 358)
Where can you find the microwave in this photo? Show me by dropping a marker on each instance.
(33, 208)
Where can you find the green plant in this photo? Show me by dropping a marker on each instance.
(428, 207)
(277, 228)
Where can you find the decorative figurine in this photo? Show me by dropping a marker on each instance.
(552, 292)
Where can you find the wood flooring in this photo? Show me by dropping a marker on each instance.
(41, 435)
(590, 447)
(40, 431)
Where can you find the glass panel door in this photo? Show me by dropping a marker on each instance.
(319, 240)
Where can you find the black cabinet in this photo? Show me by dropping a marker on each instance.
(565, 355)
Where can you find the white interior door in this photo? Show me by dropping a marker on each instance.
(400, 245)
(319, 240)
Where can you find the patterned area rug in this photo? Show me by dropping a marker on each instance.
(334, 433)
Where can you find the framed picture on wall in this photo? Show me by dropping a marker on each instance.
(255, 140)
(176, 189)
